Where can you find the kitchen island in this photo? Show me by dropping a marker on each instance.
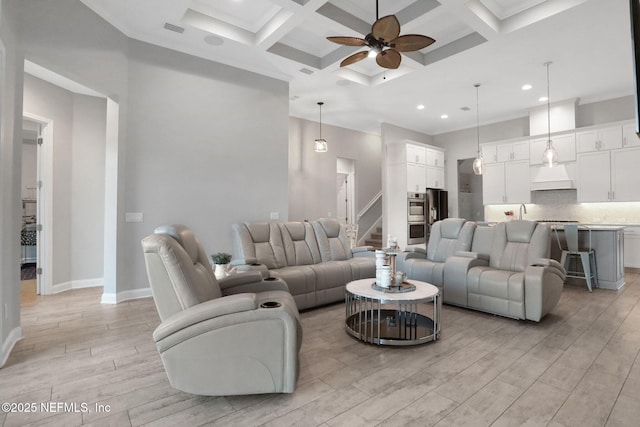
(608, 243)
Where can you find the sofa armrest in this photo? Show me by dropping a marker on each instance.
(542, 289)
(363, 251)
(207, 310)
(240, 267)
(243, 261)
(268, 284)
(547, 262)
(456, 270)
(472, 255)
(239, 279)
(415, 249)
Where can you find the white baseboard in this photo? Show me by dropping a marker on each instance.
(77, 284)
(14, 336)
(115, 298)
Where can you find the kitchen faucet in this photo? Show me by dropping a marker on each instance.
(525, 210)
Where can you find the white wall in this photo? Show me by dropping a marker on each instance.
(312, 176)
(87, 189)
(10, 159)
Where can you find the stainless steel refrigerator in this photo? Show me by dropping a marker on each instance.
(437, 208)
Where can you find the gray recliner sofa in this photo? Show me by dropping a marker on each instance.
(314, 258)
(238, 335)
(507, 270)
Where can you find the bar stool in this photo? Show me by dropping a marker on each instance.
(587, 257)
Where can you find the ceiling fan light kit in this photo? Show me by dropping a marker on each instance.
(384, 42)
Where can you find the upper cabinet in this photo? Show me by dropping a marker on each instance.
(416, 154)
(629, 136)
(604, 176)
(506, 182)
(489, 153)
(565, 145)
(605, 138)
(435, 157)
(511, 151)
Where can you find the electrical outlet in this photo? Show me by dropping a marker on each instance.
(274, 215)
(133, 217)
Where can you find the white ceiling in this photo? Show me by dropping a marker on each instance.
(501, 44)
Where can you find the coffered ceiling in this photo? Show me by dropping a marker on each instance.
(501, 44)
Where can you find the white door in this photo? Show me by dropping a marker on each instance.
(342, 183)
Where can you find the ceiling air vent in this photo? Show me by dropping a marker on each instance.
(306, 71)
(173, 28)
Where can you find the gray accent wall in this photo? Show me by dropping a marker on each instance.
(312, 176)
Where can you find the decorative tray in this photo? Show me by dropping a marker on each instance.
(394, 289)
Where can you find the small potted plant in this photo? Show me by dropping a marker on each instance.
(221, 260)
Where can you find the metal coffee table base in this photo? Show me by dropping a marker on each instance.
(373, 321)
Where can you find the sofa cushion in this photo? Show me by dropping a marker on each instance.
(300, 245)
(496, 291)
(301, 281)
(449, 236)
(517, 244)
(332, 240)
(260, 242)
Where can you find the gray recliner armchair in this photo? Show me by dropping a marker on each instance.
(238, 335)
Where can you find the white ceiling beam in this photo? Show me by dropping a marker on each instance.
(475, 15)
(538, 13)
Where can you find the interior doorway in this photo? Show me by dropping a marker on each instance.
(345, 190)
(470, 205)
(29, 289)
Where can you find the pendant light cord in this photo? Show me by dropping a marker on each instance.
(320, 104)
(548, 108)
(477, 85)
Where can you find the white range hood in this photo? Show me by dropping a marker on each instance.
(556, 178)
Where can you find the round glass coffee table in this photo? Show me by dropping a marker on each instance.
(391, 317)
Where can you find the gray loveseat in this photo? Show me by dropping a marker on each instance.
(504, 269)
(314, 258)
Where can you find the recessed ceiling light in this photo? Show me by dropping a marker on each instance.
(420, 107)
(214, 40)
(444, 116)
(542, 98)
(526, 87)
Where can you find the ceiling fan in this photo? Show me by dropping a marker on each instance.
(384, 41)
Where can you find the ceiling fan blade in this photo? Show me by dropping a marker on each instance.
(411, 42)
(348, 41)
(352, 59)
(386, 28)
(389, 58)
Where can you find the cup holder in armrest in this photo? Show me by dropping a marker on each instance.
(270, 304)
(270, 279)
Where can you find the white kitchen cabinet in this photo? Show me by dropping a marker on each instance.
(629, 136)
(489, 153)
(435, 177)
(512, 151)
(506, 182)
(416, 178)
(594, 177)
(606, 138)
(565, 145)
(435, 157)
(604, 176)
(416, 154)
(632, 247)
(625, 164)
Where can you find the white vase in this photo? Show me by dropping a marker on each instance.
(220, 271)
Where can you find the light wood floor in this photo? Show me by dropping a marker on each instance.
(578, 367)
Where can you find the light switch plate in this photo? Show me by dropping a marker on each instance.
(274, 215)
(133, 217)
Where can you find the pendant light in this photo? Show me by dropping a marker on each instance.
(550, 155)
(478, 163)
(320, 145)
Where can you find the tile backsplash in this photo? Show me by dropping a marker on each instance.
(563, 205)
